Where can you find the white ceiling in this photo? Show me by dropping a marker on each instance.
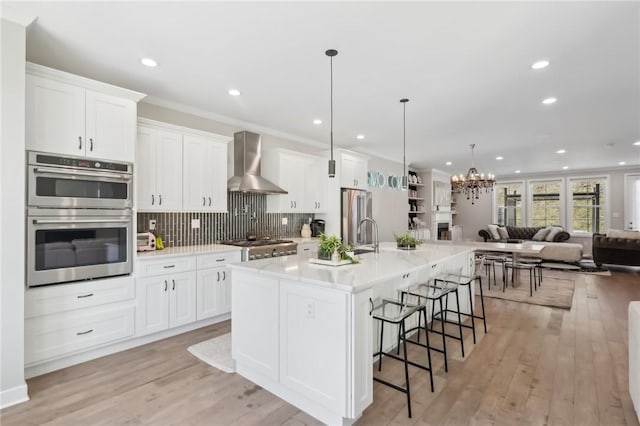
(464, 66)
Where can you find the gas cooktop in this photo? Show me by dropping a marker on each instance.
(255, 243)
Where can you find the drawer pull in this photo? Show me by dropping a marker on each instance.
(84, 332)
(82, 296)
(169, 266)
(220, 260)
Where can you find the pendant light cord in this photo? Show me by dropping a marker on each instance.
(331, 109)
(404, 139)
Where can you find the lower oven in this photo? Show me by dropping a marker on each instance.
(66, 245)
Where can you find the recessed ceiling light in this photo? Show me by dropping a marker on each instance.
(234, 92)
(517, 171)
(637, 143)
(448, 163)
(360, 136)
(565, 167)
(148, 62)
(622, 163)
(549, 101)
(540, 65)
(561, 151)
(499, 158)
(317, 121)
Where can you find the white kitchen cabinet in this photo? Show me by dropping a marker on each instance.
(214, 284)
(353, 170)
(71, 115)
(205, 174)
(256, 330)
(316, 185)
(159, 170)
(299, 175)
(165, 301)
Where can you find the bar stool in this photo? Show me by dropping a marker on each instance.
(389, 311)
(489, 262)
(465, 281)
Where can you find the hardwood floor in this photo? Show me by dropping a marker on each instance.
(536, 365)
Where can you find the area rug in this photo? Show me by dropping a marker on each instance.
(216, 352)
(554, 292)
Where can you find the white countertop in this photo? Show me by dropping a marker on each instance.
(187, 251)
(373, 267)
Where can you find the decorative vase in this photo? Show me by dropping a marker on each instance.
(335, 257)
(324, 255)
(306, 231)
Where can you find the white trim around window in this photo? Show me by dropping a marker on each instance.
(569, 202)
(562, 198)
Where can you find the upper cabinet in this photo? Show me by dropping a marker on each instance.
(67, 114)
(353, 170)
(204, 185)
(299, 175)
(180, 169)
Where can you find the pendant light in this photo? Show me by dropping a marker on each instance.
(332, 163)
(404, 143)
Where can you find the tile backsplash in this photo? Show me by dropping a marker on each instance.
(247, 214)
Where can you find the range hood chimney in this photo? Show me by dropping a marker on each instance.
(246, 166)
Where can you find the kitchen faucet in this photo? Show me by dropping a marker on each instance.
(376, 241)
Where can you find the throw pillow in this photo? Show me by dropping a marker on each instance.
(555, 230)
(541, 234)
(502, 231)
(618, 233)
(493, 230)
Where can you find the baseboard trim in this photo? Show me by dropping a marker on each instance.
(13, 396)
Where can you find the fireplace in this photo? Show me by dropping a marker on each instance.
(443, 231)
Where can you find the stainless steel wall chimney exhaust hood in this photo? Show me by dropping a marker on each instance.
(246, 166)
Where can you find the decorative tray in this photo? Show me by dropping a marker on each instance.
(328, 262)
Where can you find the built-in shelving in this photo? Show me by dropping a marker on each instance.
(415, 196)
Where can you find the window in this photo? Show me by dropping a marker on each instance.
(509, 204)
(587, 204)
(546, 203)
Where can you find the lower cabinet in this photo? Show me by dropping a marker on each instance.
(165, 301)
(214, 292)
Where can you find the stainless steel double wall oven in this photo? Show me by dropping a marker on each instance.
(79, 219)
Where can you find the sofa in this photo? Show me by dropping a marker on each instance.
(555, 250)
(518, 234)
(617, 248)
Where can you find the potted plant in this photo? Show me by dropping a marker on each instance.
(407, 241)
(329, 244)
(331, 248)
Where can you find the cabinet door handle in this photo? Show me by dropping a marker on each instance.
(217, 276)
(174, 285)
(79, 142)
(209, 201)
(203, 201)
(295, 204)
(153, 199)
(90, 144)
(82, 296)
(84, 332)
(224, 275)
(165, 285)
(160, 199)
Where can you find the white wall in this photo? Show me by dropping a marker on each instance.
(13, 388)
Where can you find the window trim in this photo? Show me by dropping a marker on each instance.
(562, 198)
(494, 205)
(569, 202)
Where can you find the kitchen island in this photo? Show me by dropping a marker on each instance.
(304, 331)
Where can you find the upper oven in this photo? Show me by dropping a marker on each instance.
(73, 182)
(70, 245)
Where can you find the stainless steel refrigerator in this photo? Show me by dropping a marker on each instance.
(356, 205)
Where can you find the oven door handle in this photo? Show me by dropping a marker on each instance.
(110, 176)
(58, 221)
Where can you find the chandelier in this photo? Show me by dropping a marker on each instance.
(473, 183)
